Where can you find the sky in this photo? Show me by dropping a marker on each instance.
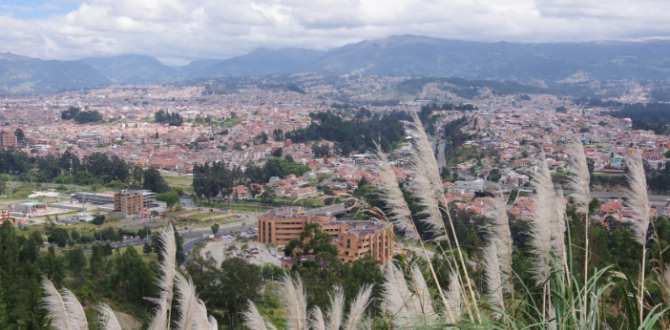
(179, 31)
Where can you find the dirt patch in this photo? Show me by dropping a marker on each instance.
(127, 321)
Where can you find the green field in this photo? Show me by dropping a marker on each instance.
(180, 182)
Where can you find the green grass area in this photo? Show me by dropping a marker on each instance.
(242, 207)
(180, 182)
(146, 257)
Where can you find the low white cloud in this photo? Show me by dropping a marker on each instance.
(178, 31)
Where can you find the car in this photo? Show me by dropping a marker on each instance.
(255, 252)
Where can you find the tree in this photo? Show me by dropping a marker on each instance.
(59, 236)
(107, 250)
(76, 260)
(289, 158)
(98, 220)
(19, 134)
(268, 195)
(362, 182)
(96, 262)
(147, 248)
(3, 188)
(154, 181)
(74, 234)
(170, 201)
(215, 228)
(70, 113)
(142, 233)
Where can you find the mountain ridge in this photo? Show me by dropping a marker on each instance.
(397, 55)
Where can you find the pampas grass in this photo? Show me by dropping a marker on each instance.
(400, 215)
(53, 303)
(336, 311)
(427, 200)
(295, 302)
(545, 214)
(192, 311)
(162, 313)
(579, 183)
(424, 156)
(454, 297)
(502, 237)
(107, 318)
(637, 182)
(399, 301)
(492, 277)
(357, 308)
(253, 319)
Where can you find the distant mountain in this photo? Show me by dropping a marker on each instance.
(260, 61)
(422, 56)
(196, 66)
(403, 55)
(130, 69)
(26, 75)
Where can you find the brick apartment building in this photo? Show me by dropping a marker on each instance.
(7, 140)
(354, 239)
(128, 203)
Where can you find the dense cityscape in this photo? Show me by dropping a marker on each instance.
(239, 183)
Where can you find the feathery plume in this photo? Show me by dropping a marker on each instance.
(580, 182)
(75, 313)
(253, 319)
(400, 214)
(213, 324)
(316, 320)
(336, 310)
(502, 236)
(492, 276)
(168, 246)
(425, 154)
(422, 292)
(637, 181)
(192, 311)
(545, 213)
(558, 231)
(398, 299)
(295, 303)
(454, 297)
(159, 319)
(427, 200)
(639, 199)
(357, 308)
(55, 306)
(107, 318)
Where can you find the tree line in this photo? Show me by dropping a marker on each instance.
(350, 135)
(96, 168)
(171, 118)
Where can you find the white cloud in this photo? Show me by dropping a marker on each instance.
(183, 30)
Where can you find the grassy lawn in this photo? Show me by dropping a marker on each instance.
(180, 182)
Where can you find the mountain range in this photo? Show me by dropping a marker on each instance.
(404, 55)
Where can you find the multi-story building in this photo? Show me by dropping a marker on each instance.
(354, 239)
(127, 202)
(7, 140)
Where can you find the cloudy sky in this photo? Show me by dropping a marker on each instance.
(178, 31)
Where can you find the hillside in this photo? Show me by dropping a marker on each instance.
(130, 69)
(26, 75)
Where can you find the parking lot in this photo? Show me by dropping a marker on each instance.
(218, 249)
